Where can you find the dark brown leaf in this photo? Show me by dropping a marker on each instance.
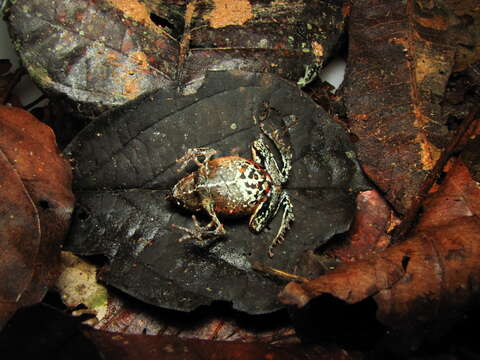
(400, 58)
(37, 184)
(257, 36)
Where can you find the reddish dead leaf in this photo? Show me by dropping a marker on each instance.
(37, 179)
(19, 240)
(458, 197)
(126, 347)
(431, 277)
(400, 58)
(128, 316)
(370, 231)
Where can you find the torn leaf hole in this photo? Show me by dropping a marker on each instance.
(453, 122)
(82, 215)
(159, 21)
(44, 204)
(335, 241)
(98, 260)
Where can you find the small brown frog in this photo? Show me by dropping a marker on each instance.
(235, 186)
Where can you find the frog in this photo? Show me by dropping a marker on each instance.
(234, 186)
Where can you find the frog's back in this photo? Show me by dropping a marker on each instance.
(236, 185)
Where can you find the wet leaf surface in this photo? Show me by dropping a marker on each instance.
(125, 165)
(400, 58)
(36, 209)
(104, 53)
(425, 284)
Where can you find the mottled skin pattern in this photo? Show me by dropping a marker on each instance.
(235, 186)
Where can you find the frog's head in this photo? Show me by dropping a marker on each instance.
(185, 193)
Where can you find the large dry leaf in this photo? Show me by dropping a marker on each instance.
(104, 53)
(430, 278)
(130, 347)
(19, 239)
(401, 55)
(125, 165)
(37, 206)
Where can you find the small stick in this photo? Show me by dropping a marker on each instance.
(278, 273)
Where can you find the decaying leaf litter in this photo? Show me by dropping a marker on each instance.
(426, 34)
(102, 54)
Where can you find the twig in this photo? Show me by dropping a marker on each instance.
(278, 273)
(409, 219)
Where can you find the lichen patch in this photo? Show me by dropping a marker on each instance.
(228, 12)
(78, 285)
(428, 152)
(134, 10)
(317, 49)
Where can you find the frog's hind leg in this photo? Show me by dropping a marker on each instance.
(194, 155)
(287, 217)
(267, 210)
(203, 235)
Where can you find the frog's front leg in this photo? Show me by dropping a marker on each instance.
(194, 155)
(263, 155)
(203, 235)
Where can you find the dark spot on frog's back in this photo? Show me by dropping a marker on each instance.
(251, 185)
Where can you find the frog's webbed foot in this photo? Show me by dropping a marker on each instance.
(194, 155)
(201, 236)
